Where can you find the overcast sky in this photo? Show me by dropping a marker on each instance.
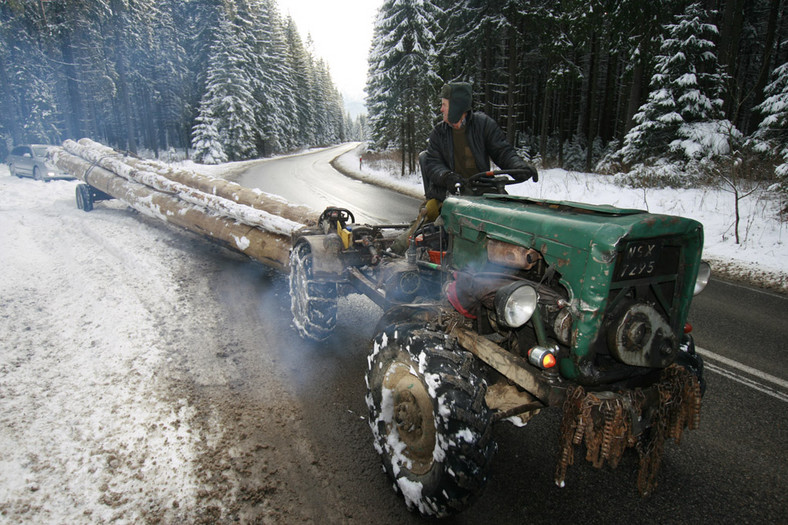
(341, 31)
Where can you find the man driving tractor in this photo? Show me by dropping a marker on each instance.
(461, 146)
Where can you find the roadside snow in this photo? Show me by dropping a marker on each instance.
(81, 306)
(120, 373)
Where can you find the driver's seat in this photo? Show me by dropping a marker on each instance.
(424, 181)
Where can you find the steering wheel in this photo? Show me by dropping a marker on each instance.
(495, 179)
(333, 215)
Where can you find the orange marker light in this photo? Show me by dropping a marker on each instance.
(541, 357)
(687, 328)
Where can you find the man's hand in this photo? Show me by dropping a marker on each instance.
(453, 181)
(531, 174)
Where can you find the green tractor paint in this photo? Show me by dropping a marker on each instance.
(609, 260)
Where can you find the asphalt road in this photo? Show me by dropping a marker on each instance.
(310, 180)
(734, 469)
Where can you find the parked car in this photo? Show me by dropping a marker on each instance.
(31, 160)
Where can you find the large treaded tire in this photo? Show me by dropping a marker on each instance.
(312, 303)
(431, 425)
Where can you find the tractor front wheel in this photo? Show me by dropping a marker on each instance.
(431, 425)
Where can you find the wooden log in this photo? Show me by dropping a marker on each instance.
(269, 247)
(167, 178)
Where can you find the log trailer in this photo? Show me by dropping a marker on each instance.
(502, 308)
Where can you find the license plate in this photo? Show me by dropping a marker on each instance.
(639, 260)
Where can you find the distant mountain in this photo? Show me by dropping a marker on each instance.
(354, 106)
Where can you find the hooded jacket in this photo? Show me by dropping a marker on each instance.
(486, 141)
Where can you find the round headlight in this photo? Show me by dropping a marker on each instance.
(515, 304)
(704, 274)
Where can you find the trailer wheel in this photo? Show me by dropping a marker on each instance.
(430, 423)
(84, 197)
(313, 303)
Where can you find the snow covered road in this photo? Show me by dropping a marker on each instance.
(124, 386)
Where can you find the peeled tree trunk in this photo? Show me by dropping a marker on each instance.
(251, 222)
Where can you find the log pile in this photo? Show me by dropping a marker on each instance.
(246, 220)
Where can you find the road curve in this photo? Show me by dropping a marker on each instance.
(310, 179)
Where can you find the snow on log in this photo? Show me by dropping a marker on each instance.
(252, 222)
(146, 172)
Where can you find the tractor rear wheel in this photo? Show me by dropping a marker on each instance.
(313, 303)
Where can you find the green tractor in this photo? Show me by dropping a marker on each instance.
(504, 307)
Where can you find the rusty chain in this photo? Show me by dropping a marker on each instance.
(605, 423)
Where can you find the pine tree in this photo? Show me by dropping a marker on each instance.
(402, 82)
(266, 66)
(682, 118)
(207, 143)
(771, 136)
(299, 67)
(228, 104)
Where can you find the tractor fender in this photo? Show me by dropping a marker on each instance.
(327, 262)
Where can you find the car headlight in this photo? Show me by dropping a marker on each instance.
(704, 274)
(515, 304)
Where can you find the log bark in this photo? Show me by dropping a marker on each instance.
(145, 172)
(258, 233)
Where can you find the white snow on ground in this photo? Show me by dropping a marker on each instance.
(80, 345)
(761, 256)
(85, 435)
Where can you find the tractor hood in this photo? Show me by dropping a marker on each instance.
(600, 253)
(560, 230)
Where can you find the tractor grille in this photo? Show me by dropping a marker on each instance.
(649, 271)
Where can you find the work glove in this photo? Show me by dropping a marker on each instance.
(453, 181)
(532, 174)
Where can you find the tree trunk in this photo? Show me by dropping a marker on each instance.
(545, 123)
(125, 117)
(766, 61)
(75, 117)
(8, 118)
(635, 94)
(592, 100)
(730, 35)
(511, 90)
(251, 223)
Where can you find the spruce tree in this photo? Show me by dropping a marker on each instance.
(682, 119)
(402, 83)
(228, 104)
(299, 67)
(771, 136)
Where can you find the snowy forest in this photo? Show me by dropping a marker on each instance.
(670, 91)
(232, 79)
